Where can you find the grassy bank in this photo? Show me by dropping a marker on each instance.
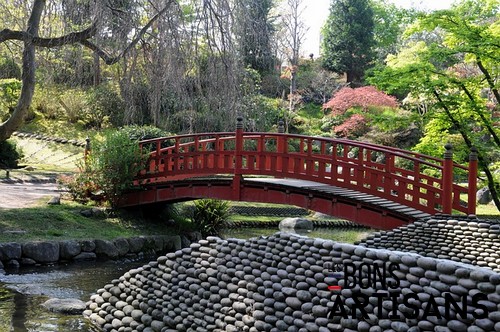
(65, 221)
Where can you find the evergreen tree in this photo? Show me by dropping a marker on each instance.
(348, 39)
(254, 30)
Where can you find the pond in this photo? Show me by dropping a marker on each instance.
(20, 312)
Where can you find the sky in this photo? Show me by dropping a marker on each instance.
(316, 13)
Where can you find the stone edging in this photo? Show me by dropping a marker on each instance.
(275, 223)
(49, 139)
(52, 252)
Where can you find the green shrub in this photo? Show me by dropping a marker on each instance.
(105, 105)
(10, 90)
(9, 69)
(141, 133)
(209, 215)
(111, 166)
(9, 154)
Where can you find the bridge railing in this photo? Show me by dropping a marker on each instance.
(415, 180)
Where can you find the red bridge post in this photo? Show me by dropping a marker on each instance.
(238, 158)
(448, 179)
(280, 146)
(472, 185)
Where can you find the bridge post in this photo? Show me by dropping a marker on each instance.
(238, 158)
(448, 179)
(472, 187)
(280, 146)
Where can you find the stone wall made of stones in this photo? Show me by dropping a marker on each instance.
(470, 241)
(286, 211)
(280, 283)
(49, 139)
(51, 252)
(317, 223)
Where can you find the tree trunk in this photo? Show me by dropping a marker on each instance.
(28, 75)
(97, 69)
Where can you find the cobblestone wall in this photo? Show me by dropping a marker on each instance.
(292, 283)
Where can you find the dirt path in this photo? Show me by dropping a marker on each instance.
(26, 194)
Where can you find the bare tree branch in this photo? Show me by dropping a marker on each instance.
(71, 38)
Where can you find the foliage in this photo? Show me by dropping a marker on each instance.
(81, 187)
(452, 72)
(9, 69)
(105, 105)
(348, 39)
(9, 93)
(390, 22)
(353, 127)
(262, 113)
(316, 84)
(141, 133)
(254, 30)
(110, 167)
(364, 97)
(209, 215)
(9, 154)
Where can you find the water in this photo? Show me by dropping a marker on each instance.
(348, 235)
(22, 292)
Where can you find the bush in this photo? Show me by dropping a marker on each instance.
(9, 154)
(141, 133)
(10, 90)
(109, 169)
(105, 106)
(9, 69)
(209, 215)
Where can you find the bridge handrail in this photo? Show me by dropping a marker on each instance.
(189, 155)
(410, 155)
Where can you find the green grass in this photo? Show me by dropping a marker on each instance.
(45, 155)
(239, 217)
(62, 222)
(487, 210)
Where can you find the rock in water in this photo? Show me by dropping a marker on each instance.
(65, 306)
(296, 223)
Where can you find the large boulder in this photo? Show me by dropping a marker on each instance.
(9, 251)
(296, 223)
(122, 246)
(483, 196)
(41, 252)
(69, 249)
(65, 306)
(106, 249)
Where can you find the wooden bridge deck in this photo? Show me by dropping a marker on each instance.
(346, 194)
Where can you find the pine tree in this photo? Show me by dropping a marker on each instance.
(348, 39)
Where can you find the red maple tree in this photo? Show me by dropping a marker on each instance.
(364, 97)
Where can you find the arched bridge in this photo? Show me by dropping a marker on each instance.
(374, 185)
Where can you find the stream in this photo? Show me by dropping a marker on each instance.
(23, 291)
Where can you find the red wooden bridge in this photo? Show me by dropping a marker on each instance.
(373, 185)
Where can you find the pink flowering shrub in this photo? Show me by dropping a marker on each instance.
(364, 97)
(354, 126)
